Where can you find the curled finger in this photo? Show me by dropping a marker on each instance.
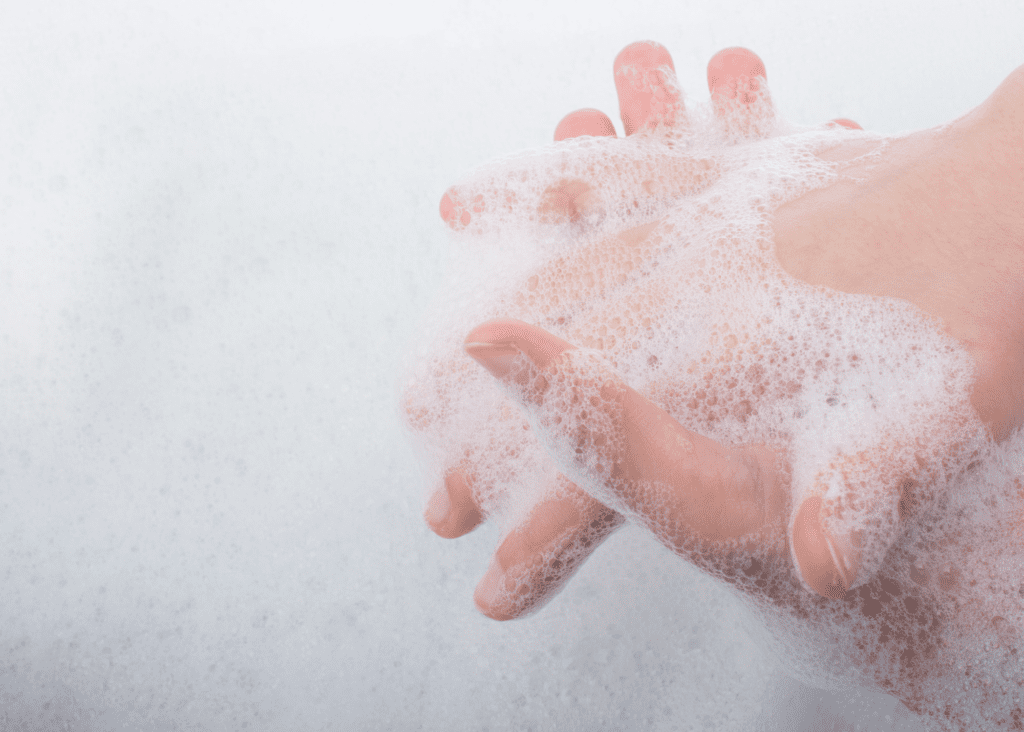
(452, 510)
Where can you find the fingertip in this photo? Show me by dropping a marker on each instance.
(452, 511)
(583, 122)
(438, 507)
(648, 92)
(454, 213)
(648, 54)
(489, 591)
(737, 80)
(730, 63)
(492, 343)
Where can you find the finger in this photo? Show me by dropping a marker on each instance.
(848, 123)
(853, 509)
(584, 122)
(538, 558)
(452, 510)
(628, 453)
(649, 93)
(738, 84)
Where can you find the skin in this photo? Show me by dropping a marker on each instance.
(937, 222)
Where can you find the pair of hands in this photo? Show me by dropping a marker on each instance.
(936, 220)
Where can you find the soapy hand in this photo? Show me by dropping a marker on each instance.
(933, 220)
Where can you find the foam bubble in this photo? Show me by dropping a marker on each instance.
(698, 315)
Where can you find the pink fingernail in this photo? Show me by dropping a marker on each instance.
(842, 556)
(495, 357)
(438, 506)
(848, 123)
(488, 592)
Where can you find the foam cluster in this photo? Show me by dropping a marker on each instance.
(664, 266)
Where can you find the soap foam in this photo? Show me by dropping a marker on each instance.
(701, 319)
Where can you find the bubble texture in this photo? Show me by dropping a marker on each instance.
(698, 316)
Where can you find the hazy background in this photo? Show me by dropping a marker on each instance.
(218, 230)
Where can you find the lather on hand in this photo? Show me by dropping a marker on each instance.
(937, 221)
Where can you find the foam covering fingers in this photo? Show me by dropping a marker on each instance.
(537, 558)
(574, 200)
(649, 93)
(737, 81)
(619, 447)
(457, 211)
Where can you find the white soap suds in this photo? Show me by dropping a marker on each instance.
(698, 316)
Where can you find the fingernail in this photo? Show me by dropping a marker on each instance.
(495, 357)
(842, 555)
(488, 592)
(438, 506)
(817, 557)
(848, 123)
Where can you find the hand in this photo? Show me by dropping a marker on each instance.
(902, 232)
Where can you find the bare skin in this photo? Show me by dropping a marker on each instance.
(938, 223)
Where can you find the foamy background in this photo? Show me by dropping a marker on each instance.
(218, 226)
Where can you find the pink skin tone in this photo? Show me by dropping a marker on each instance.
(938, 223)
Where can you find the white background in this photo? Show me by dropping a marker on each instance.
(218, 232)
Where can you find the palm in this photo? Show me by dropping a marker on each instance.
(737, 379)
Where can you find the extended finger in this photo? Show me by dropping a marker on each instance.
(538, 558)
(737, 80)
(583, 122)
(628, 453)
(649, 93)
